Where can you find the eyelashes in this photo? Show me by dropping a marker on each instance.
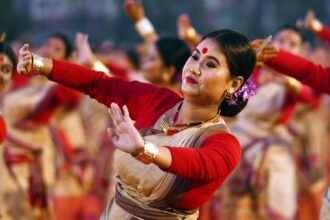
(194, 57)
(209, 64)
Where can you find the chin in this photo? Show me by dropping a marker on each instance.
(189, 91)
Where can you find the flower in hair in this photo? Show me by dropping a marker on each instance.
(245, 92)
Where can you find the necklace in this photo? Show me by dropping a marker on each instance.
(171, 128)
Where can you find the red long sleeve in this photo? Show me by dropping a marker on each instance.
(305, 71)
(324, 34)
(208, 167)
(67, 96)
(217, 157)
(142, 99)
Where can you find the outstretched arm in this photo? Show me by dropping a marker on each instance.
(93, 83)
(186, 31)
(312, 24)
(307, 72)
(135, 12)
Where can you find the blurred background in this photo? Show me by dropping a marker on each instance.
(72, 176)
(33, 20)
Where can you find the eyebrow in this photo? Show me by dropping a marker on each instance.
(208, 56)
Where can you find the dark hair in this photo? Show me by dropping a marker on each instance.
(6, 49)
(174, 52)
(133, 57)
(241, 59)
(66, 41)
(294, 29)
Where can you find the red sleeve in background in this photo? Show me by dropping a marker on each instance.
(117, 70)
(57, 96)
(66, 96)
(255, 75)
(19, 80)
(3, 130)
(306, 95)
(324, 34)
(311, 74)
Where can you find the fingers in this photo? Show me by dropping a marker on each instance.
(310, 14)
(184, 19)
(127, 116)
(116, 115)
(25, 48)
(256, 43)
(25, 59)
(126, 112)
(267, 55)
(121, 122)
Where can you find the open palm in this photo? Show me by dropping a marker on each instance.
(122, 131)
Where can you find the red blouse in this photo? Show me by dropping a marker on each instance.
(324, 34)
(208, 166)
(3, 130)
(307, 72)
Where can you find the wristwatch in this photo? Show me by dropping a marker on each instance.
(148, 153)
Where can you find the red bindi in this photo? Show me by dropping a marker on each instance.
(204, 50)
(2, 58)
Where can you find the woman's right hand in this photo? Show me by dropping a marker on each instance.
(24, 65)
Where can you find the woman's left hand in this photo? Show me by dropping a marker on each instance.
(267, 53)
(122, 131)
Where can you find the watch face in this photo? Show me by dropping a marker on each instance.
(151, 149)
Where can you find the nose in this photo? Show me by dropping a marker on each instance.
(196, 72)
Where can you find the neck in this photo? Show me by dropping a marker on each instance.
(191, 112)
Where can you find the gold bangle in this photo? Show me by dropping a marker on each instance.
(99, 66)
(316, 25)
(294, 85)
(191, 33)
(37, 63)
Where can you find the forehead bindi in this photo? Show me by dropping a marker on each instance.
(2, 58)
(204, 50)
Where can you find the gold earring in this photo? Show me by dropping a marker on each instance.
(229, 93)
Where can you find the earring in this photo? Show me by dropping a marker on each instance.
(229, 93)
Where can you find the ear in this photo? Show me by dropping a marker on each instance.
(168, 74)
(237, 82)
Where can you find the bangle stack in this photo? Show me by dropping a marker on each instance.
(37, 63)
